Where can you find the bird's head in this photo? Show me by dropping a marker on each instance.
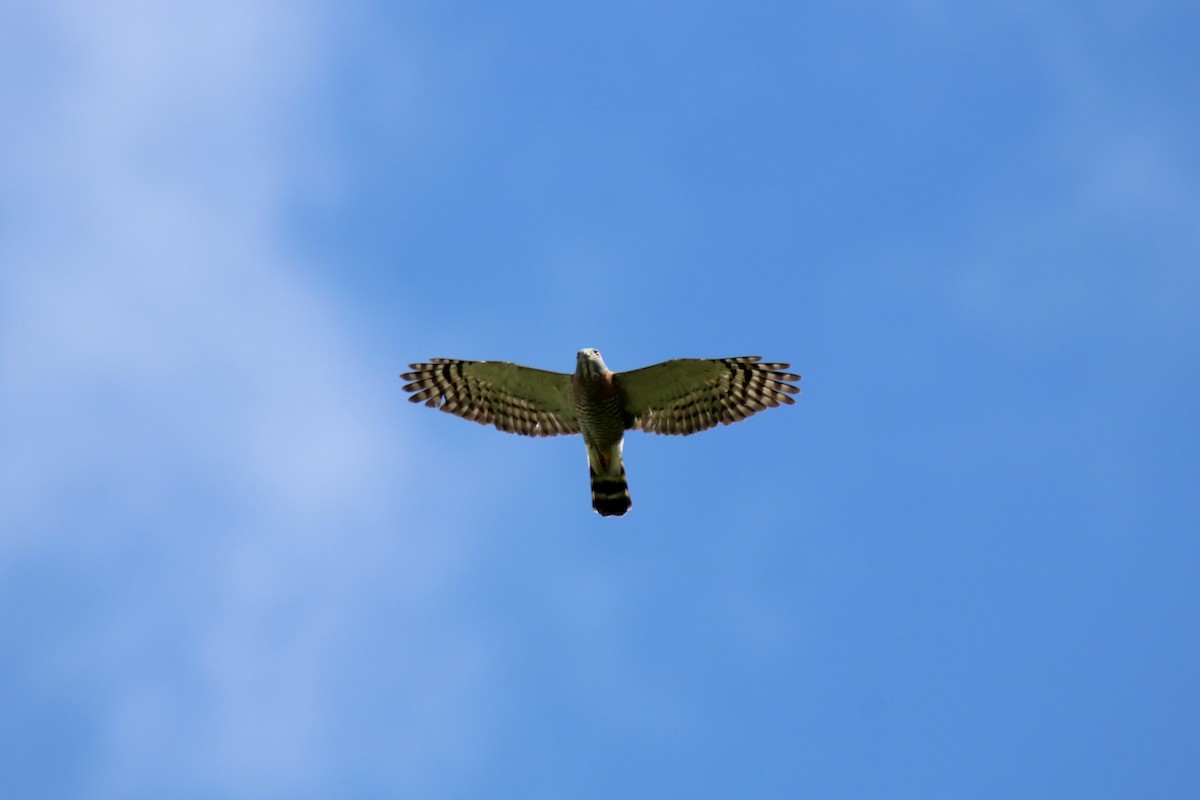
(588, 362)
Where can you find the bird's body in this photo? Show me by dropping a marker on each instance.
(682, 396)
(601, 413)
(598, 404)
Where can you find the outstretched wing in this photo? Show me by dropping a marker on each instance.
(517, 399)
(693, 394)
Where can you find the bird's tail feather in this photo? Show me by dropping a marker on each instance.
(610, 495)
(610, 492)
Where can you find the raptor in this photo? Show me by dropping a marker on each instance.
(681, 396)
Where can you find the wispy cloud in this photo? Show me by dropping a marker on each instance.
(197, 466)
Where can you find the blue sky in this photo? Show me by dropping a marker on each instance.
(234, 562)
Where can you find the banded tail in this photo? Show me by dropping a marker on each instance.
(610, 492)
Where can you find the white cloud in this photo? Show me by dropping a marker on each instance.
(189, 432)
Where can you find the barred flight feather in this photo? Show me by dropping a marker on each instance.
(513, 398)
(685, 396)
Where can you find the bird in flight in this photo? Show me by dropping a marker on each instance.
(681, 396)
